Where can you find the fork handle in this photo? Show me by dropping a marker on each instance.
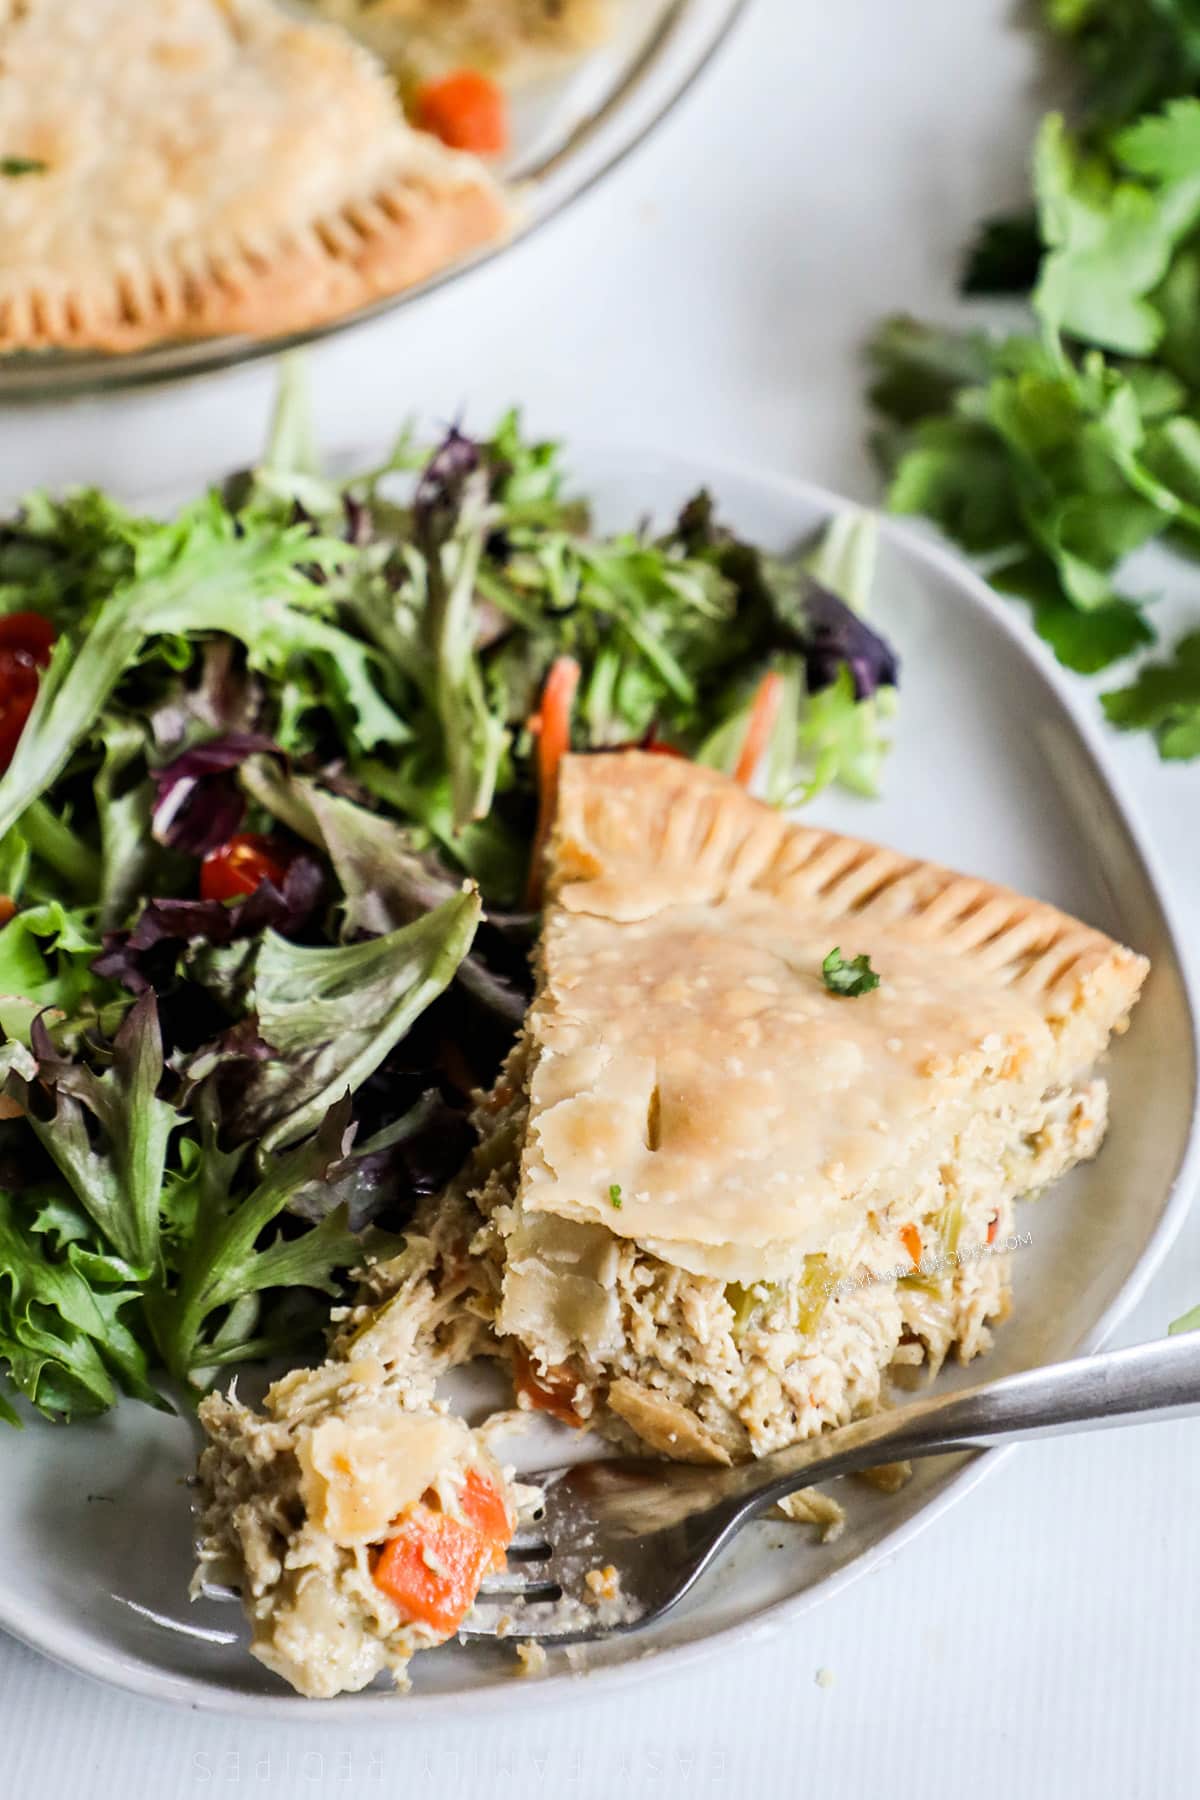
(1115, 1388)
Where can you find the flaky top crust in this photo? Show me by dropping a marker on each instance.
(694, 1081)
(210, 166)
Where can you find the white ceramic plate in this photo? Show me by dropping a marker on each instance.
(995, 771)
(568, 130)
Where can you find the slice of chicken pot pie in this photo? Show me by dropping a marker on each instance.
(736, 1197)
(724, 1188)
(192, 167)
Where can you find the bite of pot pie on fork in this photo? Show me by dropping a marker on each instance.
(721, 1193)
(356, 1517)
(192, 168)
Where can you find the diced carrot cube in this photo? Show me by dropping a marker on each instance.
(466, 110)
(432, 1568)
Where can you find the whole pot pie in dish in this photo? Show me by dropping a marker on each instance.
(192, 168)
(731, 1183)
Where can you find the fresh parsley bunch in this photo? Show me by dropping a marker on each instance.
(1051, 455)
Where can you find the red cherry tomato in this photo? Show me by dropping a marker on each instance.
(18, 691)
(28, 632)
(238, 867)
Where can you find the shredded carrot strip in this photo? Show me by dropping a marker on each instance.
(763, 713)
(993, 1228)
(552, 729)
(910, 1237)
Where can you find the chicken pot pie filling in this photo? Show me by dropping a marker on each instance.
(715, 1207)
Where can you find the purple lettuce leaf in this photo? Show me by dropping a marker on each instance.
(834, 636)
(148, 956)
(439, 491)
(198, 803)
(380, 1182)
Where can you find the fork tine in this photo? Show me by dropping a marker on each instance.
(544, 1620)
(222, 1591)
(533, 1547)
(521, 1583)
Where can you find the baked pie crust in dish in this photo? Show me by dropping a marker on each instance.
(201, 167)
(715, 1207)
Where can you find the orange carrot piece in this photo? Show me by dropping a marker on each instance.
(910, 1237)
(764, 711)
(465, 110)
(550, 1392)
(486, 1508)
(432, 1568)
(551, 726)
(993, 1228)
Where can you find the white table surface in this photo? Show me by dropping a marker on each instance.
(711, 297)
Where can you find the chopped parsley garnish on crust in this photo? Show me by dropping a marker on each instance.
(849, 977)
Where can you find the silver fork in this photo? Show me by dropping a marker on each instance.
(661, 1525)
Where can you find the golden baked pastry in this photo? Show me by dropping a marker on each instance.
(198, 167)
(687, 1049)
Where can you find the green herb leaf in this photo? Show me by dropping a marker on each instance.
(849, 976)
(1110, 245)
(22, 165)
(1164, 699)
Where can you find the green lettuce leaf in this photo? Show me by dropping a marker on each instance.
(108, 1133)
(205, 572)
(63, 1333)
(46, 955)
(220, 1266)
(332, 1015)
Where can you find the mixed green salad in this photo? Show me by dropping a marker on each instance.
(1055, 452)
(275, 773)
